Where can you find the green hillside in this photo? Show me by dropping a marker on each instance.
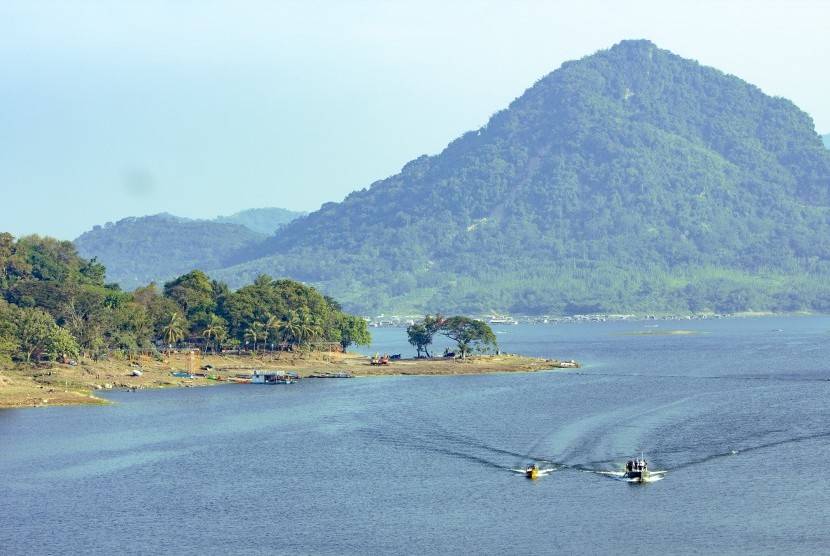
(629, 180)
(140, 250)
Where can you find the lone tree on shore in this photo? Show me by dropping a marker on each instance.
(469, 334)
(466, 332)
(421, 334)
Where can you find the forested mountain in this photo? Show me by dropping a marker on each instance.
(140, 250)
(826, 139)
(629, 180)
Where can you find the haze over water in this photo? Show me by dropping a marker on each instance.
(736, 414)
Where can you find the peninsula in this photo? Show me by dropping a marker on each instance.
(75, 384)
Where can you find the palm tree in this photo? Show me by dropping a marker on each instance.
(274, 327)
(255, 332)
(288, 328)
(216, 329)
(308, 329)
(173, 331)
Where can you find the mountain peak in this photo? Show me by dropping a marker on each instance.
(629, 180)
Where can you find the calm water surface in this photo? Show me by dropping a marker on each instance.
(737, 414)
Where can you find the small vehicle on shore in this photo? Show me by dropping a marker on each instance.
(377, 360)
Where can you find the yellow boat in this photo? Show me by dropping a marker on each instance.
(532, 471)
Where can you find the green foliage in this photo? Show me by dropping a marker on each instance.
(422, 333)
(353, 331)
(54, 304)
(420, 338)
(468, 334)
(32, 334)
(173, 330)
(194, 294)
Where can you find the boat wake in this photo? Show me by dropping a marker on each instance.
(543, 471)
(620, 476)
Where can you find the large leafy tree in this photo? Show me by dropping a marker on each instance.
(194, 294)
(422, 333)
(8, 332)
(353, 330)
(37, 335)
(469, 334)
(420, 338)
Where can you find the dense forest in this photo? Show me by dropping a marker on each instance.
(632, 180)
(56, 305)
(140, 250)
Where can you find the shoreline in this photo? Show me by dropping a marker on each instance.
(64, 385)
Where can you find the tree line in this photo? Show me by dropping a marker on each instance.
(56, 305)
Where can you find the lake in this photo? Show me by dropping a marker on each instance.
(735, 411)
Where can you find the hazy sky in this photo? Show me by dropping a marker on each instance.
(202, 108)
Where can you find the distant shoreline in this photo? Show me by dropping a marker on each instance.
(62, 385)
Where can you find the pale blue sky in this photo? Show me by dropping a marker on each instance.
(122, 108)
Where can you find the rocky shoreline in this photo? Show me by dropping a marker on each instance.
(60, 384)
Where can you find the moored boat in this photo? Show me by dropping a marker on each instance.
(270, 378)
(502, 320)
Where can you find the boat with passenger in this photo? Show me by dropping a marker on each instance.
(532, 471)
(636, 470)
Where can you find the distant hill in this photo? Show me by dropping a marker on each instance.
(263, 220)
(629, 180)
(826, 139)
(140, 250)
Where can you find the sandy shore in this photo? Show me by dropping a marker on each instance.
(60, 384)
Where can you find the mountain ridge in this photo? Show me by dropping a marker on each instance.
(629, 166)
(631, 180)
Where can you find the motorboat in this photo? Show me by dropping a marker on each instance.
(532, 471)
(636, 470)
